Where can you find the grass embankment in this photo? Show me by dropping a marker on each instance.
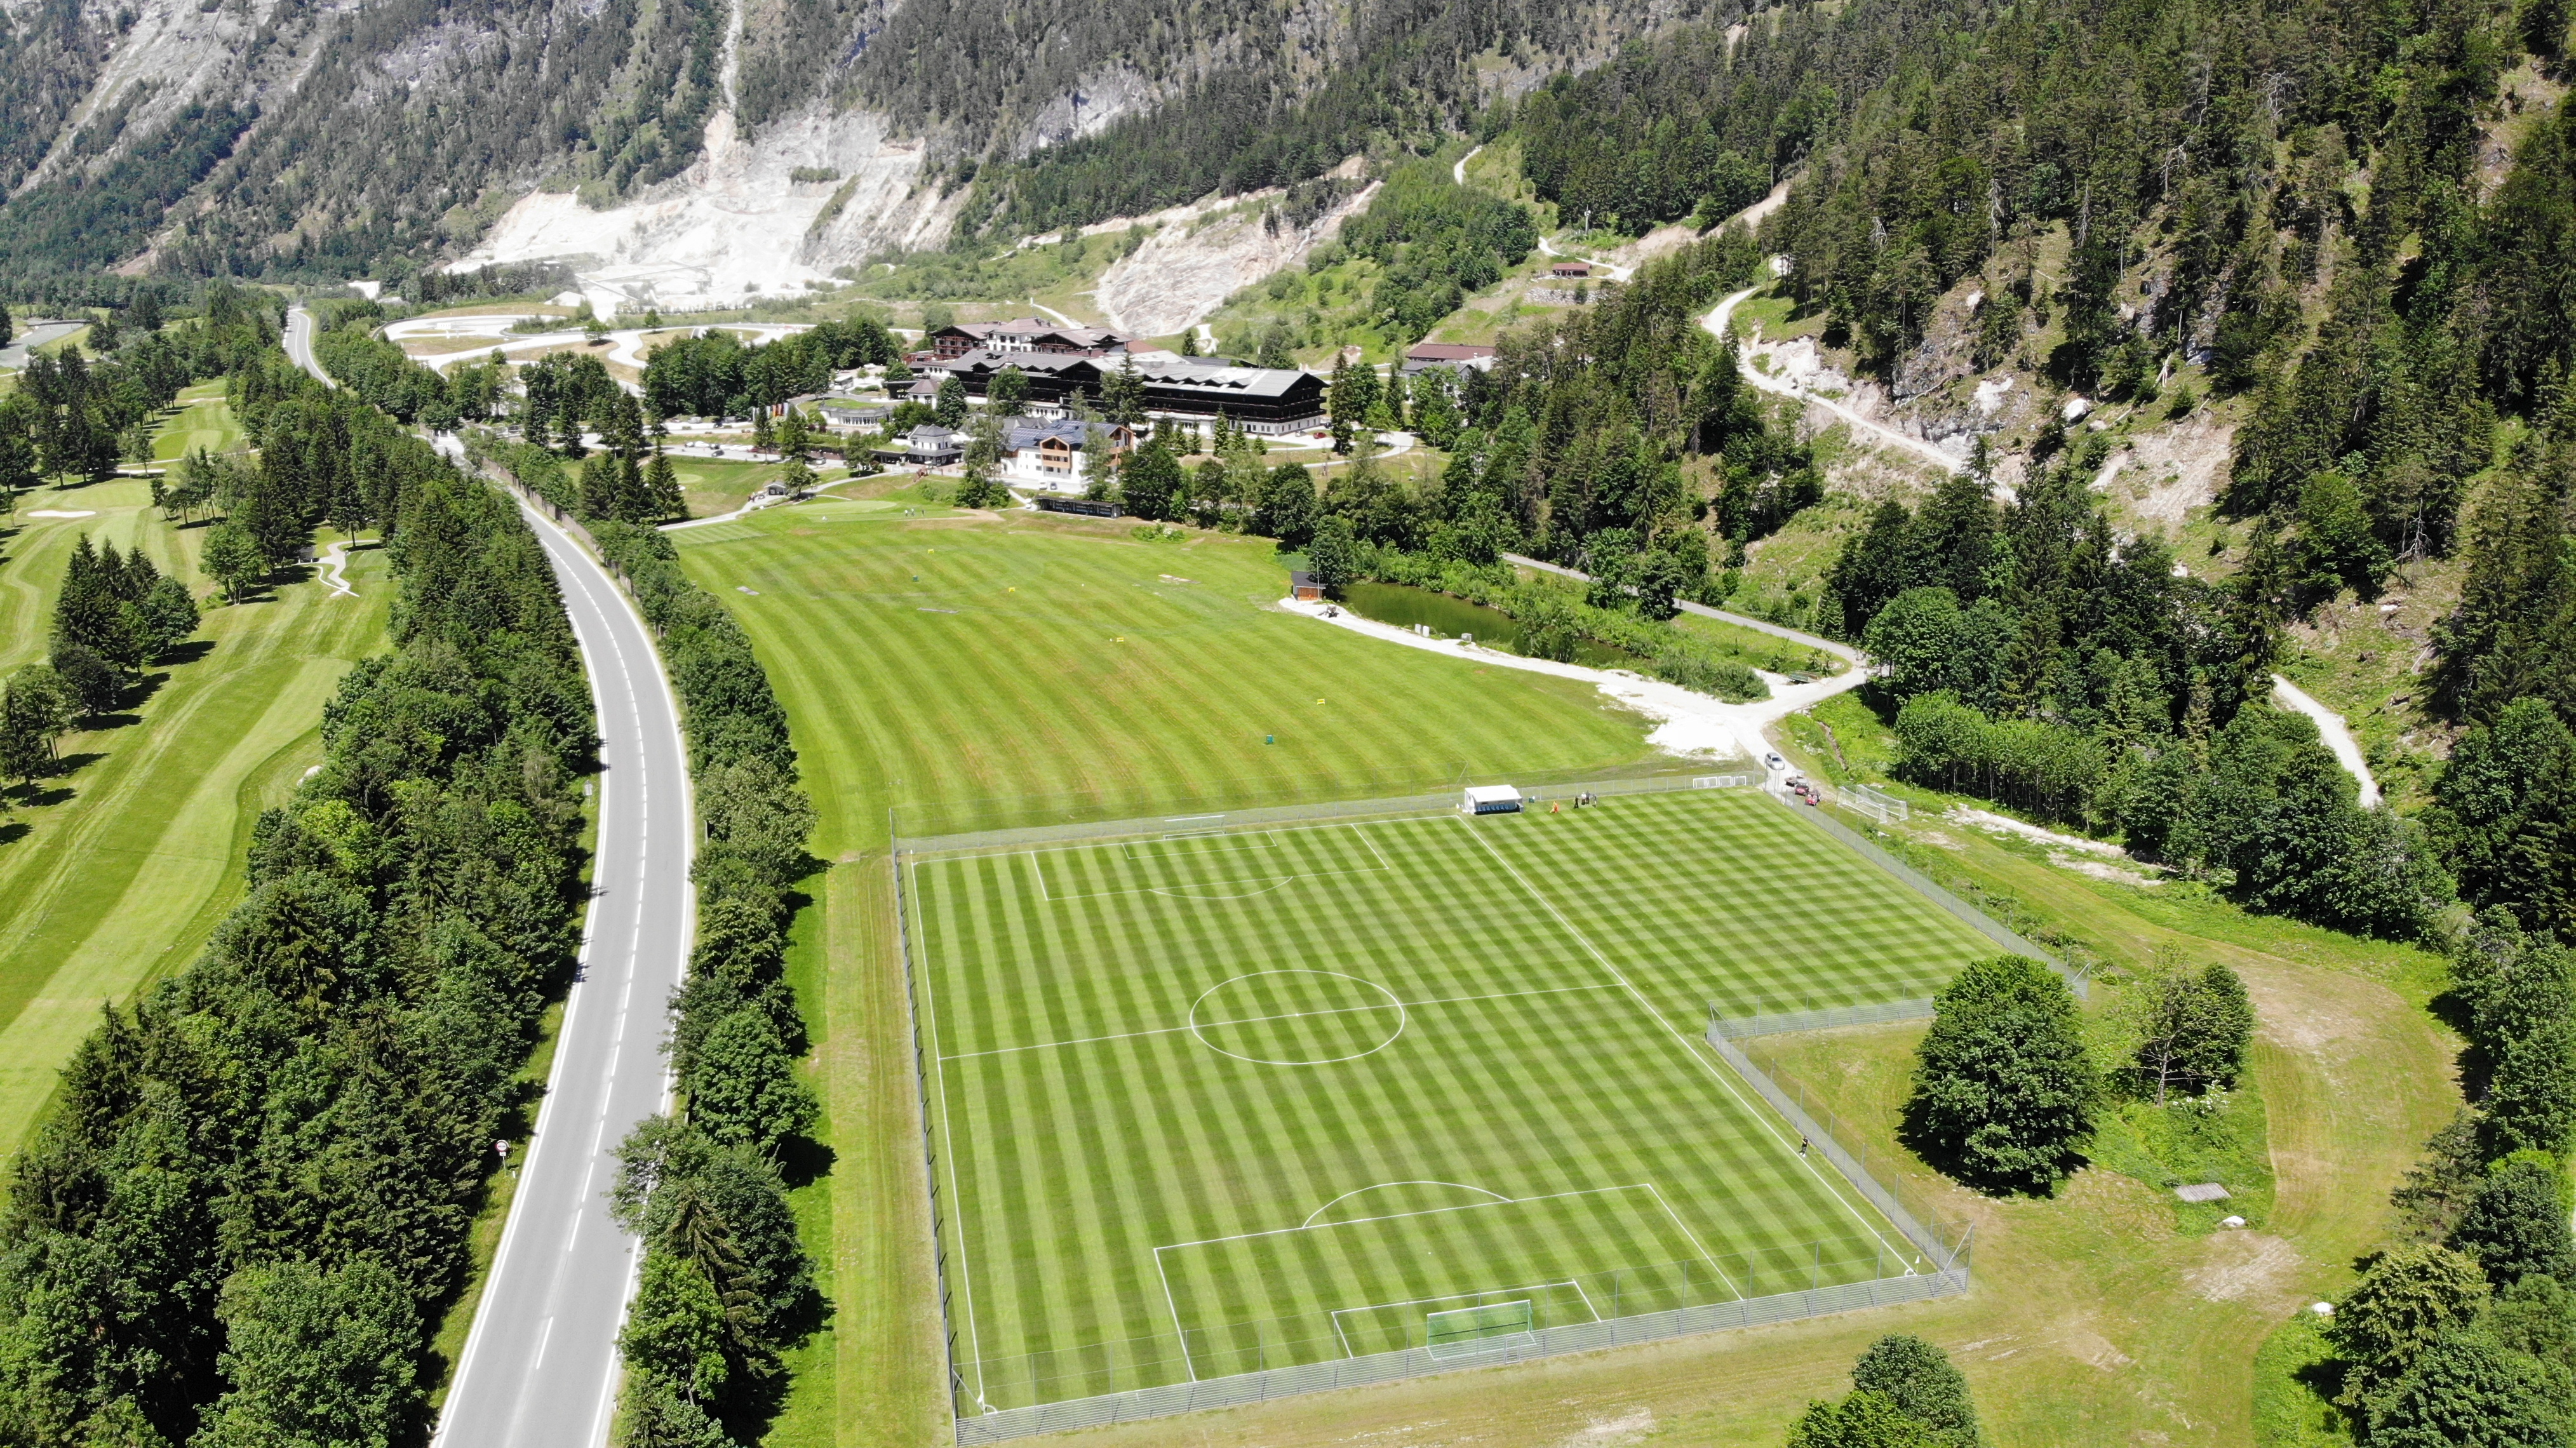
(132, 853)
(1076, 665)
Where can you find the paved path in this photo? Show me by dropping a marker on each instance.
(1907, 443)
(540, 1366)
(335, 558)
(1845, 652)
(2347, 750)
(36, 335)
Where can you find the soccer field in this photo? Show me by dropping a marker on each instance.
(1208, 1104)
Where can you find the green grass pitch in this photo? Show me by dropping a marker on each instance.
(1212, 1103)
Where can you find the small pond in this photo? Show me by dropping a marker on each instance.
(1405, 606)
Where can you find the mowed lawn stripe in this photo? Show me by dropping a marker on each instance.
(1776, 915)
(1030, 697)
(1522, 1068)
(126, 877)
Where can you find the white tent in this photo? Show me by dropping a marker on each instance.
(1490, 799)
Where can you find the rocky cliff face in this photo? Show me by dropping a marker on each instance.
(1185, 271)
(717, 143)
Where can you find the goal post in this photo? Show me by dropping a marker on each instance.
(1462, 1330)
(1877, 804)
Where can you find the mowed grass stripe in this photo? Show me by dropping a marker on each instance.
(1027, 694)
(1106, 1150)
(126, 877)
(1770, 899)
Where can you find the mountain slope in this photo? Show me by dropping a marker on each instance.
(263, 137)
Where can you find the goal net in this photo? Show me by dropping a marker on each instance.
(1462, 1330)
(1878, 806)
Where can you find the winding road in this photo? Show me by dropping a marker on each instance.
(2337, 735)
(299, 344)
(540, 1367)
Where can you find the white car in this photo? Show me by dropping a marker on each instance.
(1772, 761)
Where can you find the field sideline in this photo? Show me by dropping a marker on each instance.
(1217, 1103)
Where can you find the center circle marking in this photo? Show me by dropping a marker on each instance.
(1402, 1017)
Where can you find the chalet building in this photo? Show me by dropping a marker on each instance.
(926, 446)
(1267, 400)
(1460, 355)
(1049, 454)
(1570, 269)
(1026, 334)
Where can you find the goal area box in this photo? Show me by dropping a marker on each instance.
(1487, 1327)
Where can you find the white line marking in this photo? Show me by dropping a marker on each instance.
(1398, 1216)
(1403, 1018)
(1346, 1196)
(1175, 1310)
(1704, 1254)
(1284, 1016)
(948, 1138)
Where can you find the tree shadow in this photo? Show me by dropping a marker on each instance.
(13, 831)
(755, 1404)
(803, 1161)
(180, 655)
(55, 794)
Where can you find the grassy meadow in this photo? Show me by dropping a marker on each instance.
(930, 662)
(125, 860)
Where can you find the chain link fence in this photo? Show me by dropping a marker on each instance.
(1256, 1387)
(1202, 818)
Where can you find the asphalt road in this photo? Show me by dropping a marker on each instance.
(32, 337)
(540, 1366)
(299, 343)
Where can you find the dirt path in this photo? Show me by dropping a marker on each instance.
(1913, 446)
(334, 559)
(2338, 737)
(1690, 723)
(1458, 173)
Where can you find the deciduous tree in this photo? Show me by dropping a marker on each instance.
(2003, 1091)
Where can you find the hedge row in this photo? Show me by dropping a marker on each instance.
(1552, 618)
